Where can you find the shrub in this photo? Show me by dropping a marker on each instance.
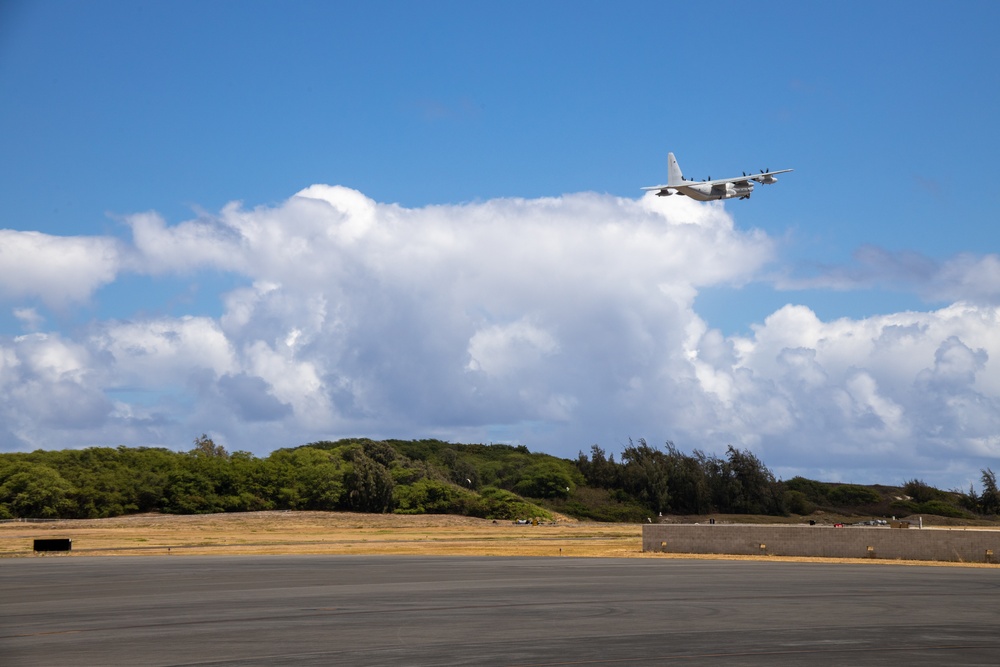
(500, 504)
(903, 507)
(849, 495)
(429, 496)
(816, 492)
(600, 505)
(941, 508)
(544, 480)
(798, 503)
(922, 492)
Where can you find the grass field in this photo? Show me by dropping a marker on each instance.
(324, 533)
(341, 533)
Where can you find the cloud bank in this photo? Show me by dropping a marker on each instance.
(558, 323)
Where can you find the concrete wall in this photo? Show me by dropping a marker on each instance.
(973, 546)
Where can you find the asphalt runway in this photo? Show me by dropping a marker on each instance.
(377, 610)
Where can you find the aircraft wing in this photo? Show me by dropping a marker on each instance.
(739, 180)
(742, 180)
(764, 175)
(720, 181)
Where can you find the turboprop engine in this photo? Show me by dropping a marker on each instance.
(741, 191)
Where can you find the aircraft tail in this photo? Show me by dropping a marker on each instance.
(674, 175)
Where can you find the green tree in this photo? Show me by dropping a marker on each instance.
(922, 492)
(989, 499)
(755, 486)
(190, 492)
(206, 447)
(970, 500)
(689, 489)
(544, 480)
(429, 496)
(31, 490)
(380, 452)
(465, 474)
(741, 484)
(307, 478)
(600, 471)
(645, 475)
(369, 484)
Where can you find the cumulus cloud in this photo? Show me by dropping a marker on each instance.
(57, 270)
(163, 352)
(916, 391)
(252, 399)
(47, 382)
(504, 350)
(183, 248)
(557, 322)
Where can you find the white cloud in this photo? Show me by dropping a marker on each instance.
(969, 277)
(29, 318)
(964, 277)
(183, 248)
(164, 352)
(58, 270)
(901, 391)
(502, 350)
(558, 322)
(48, 383)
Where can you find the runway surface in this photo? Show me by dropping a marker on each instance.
(377, 610)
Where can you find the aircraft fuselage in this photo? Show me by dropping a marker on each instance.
(708, 192)
(726, 188)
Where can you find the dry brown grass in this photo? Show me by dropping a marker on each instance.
(345, 533)
(325, 533)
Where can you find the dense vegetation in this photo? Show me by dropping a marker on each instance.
(430, 476)
(349, 475)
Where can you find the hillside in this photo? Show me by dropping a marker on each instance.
(434, 477)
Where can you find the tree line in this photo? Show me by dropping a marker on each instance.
(431, 476)
(670, 481)
(987, 501)
(350, 475)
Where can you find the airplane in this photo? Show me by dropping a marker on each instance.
(707, 190)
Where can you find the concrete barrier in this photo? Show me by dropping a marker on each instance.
(969, 546)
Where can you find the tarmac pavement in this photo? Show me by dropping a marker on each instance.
(379, 610)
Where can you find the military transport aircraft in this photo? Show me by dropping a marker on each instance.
(723, 188)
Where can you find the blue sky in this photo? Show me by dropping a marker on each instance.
(495, 273)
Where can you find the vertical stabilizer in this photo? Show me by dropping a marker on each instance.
(674, 176)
